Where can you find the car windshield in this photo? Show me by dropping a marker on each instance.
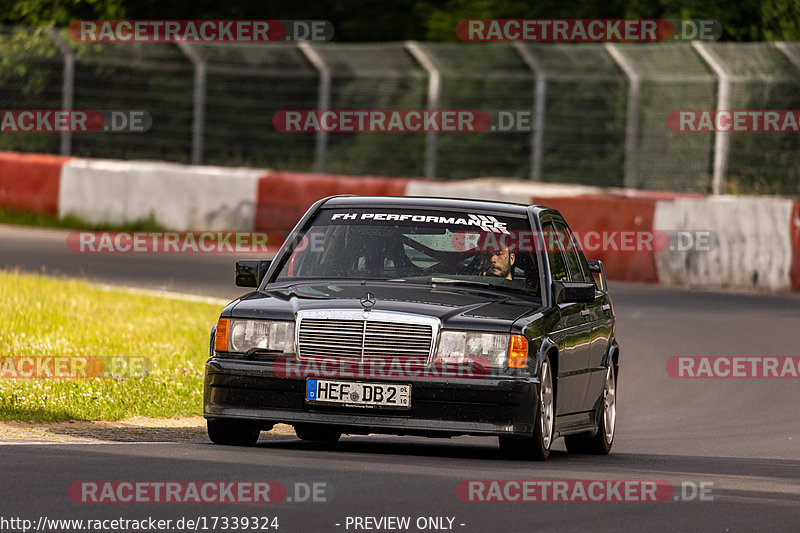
(415, 246)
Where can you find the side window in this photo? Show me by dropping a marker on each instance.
(587, 274)
(576, 262)
(555, 252)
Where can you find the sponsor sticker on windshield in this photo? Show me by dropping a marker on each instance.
(486, 222)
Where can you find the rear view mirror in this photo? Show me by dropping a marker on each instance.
(250, 273)
(572, 291)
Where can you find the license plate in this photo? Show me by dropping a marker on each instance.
(359, 394)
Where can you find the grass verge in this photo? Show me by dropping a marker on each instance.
(25, 218)
(46, 317)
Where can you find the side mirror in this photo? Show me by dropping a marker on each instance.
(596, 267)
(250, 273)
(572, 291)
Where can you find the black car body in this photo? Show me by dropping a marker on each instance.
(380, 315)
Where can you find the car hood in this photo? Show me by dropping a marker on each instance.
(456, 307)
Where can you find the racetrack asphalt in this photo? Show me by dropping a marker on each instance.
(740, 435)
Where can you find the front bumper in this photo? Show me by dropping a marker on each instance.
(492, 405)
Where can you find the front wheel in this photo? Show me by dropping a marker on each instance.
(600, 443)
(538, 446)
(233, 432)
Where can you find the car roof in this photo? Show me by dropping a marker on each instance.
(426, 202)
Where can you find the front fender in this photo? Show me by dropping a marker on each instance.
(545, 346)
(612, 356)
(211, 343)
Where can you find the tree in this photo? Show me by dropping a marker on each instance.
(431, 20)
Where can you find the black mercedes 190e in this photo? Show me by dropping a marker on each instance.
(420, 316)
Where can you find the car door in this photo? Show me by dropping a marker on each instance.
(572, 333)
(597, 315)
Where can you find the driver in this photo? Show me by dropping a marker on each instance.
(499, 263)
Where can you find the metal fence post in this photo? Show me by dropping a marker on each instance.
(199, 102)
(721, 138)
(632, 120)
(323, 102)
(434, 91)
(539, 108)
(794, 59)
(67, 87)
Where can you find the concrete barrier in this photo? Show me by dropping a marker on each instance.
(753, 242)
(283, 197)
(609, 215)
(497, 189)
(179, 197)
(30, 182)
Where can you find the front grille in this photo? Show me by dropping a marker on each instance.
(398, 337)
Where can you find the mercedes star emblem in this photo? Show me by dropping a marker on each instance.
(368, 300)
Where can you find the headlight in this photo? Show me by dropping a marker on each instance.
(268, 335)
(456, 347)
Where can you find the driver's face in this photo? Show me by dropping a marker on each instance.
(499, 263)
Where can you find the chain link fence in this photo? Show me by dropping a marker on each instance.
(598, 111)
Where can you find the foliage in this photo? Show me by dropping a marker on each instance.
(432, 20)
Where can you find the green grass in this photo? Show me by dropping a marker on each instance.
(24, 218)
(47, 317)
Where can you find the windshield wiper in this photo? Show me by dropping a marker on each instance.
(465, 282)
(482, 284)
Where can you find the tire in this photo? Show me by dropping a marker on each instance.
(233, 432)
(316, 433)
(536, 447)
(601, 442)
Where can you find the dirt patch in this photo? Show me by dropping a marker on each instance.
(136, 429)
